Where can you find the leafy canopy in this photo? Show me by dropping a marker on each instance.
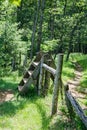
(16, 2)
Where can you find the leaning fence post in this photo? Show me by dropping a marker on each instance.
(57, 84)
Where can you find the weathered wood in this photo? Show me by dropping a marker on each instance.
(30, 80)
(77, 108)
(48, 68)
(33, 73)
(36, 71)
(40, 77)
(24, 89)
(68, 103)
(47, 80)
(57, 84)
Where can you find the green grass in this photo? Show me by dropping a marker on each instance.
(82, 60)
(68, 71)
(30, 113)
(33, 112)
(27, 114)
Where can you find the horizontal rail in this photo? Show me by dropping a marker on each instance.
(48, 68)
(77, 108)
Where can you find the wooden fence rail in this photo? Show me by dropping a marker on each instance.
(71, 100)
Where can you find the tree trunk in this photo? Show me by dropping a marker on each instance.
(20, 18)
(13, 63)
(34, 28)
(39, 41)
(71, 41)
(19, 58)
(71, 36)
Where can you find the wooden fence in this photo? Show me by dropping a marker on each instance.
(72, 103)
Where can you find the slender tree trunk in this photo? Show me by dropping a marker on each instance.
(13, 63)
(51, 22)
(65, 5)
(79, 40)
(34, 28)
(39, 41)
(71, 36)
(71, 41)
(19, 58)
(51, 26)
(60, 47)
(20, 15)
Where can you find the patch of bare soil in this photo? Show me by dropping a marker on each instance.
(6, 95)
(74, 83)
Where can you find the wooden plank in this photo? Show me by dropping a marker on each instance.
(35, 63)
(48, 68)
(36, 72)
(25, 80)
(77, 108)
(30, 80)
(30, 72)
(25, 87)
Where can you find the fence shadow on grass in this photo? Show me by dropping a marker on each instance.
(4, 85)
(10, 108)
(44, 117)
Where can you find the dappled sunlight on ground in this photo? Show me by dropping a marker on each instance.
(6, 95)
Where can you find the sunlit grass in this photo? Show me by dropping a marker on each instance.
(82, 60)
(33, 112)
(25, 114)
(68, 69)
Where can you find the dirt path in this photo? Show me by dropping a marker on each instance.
(6, 96)
(74, 83)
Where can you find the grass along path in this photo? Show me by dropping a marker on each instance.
(6, 96)
(74, 83)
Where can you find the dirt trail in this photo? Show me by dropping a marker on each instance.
(74, 83)
(6, 96)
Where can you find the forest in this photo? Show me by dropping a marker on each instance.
(43, 64)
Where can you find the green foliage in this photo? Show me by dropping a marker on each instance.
(49, 45)
(63, 22)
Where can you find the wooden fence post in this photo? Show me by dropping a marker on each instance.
(74, 107)
(68, 103)
(40, 77)
(47, 80)
(57, 84)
